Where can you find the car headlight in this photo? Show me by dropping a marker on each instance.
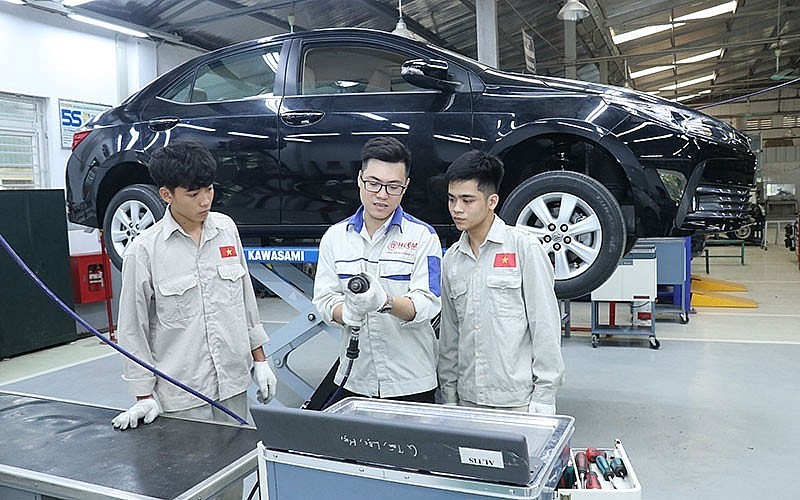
(674, 182)
(686, 120)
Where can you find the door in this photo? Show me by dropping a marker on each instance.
(341, 94)
(230, 105)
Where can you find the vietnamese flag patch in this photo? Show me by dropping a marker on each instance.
(505, 260)
(229, 251)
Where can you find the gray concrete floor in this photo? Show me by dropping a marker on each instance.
(710, 415)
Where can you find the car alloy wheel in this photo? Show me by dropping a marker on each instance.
(578, 222)
(131, 211)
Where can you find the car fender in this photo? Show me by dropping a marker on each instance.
(643, 193)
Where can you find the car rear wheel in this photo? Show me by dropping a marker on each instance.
(743, 233)
(579, 223)
(131, 211)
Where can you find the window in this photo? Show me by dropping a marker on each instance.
(234, 77)
(348, 70)
(21, 130)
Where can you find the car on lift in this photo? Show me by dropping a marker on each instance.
(589, 168)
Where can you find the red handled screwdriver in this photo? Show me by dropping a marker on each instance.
(592, 482)
(582, 465)
(593, 453)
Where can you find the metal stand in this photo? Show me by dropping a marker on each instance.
(273, 268)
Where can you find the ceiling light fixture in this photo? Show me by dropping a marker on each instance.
(16, 2)
(573, 10)
(401, 29)
(688, 83)
(710, 12)
(688, 60)
(642, 32)
(107, 25)
(74, 3)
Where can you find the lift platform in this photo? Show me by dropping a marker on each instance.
(276, 269)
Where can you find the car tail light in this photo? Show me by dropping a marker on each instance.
(78, 137)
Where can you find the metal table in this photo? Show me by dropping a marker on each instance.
(70, 451)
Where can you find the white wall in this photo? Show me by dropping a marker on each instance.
(50, 56)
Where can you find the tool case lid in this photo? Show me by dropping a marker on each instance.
(487, 445)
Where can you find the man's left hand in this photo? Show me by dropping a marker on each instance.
(267, 383)
(541, 408)
(368, 302)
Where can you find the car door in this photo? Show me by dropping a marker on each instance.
(339, 94)
(229, 104)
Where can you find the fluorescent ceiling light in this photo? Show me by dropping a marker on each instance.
(642, 32)
(710, 12)
(74, 3)
(650, 71)
(688, 60)
(692, 96)
(107, 25)
(16, 2)
(688, 83)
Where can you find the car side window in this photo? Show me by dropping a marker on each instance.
(229, 78)
(350, 70)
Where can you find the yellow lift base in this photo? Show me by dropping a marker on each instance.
(706, 292)
(706, 284)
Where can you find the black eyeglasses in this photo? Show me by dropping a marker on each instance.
(375, 187)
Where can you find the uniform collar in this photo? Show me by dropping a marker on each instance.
(496, 234)
(210, 228)
(356, 221)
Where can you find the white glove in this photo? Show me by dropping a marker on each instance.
(351, 318)
(267, 383)
(541, 408)
(147, 408)
(370, 301)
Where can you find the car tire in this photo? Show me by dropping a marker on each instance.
(130, 211)
(743, 233)
(584, 254)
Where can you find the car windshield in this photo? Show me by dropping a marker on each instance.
(472, 64)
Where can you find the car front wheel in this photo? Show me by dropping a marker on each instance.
(579, 223)
(130, 211)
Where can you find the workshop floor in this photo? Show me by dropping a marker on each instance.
(712, 414)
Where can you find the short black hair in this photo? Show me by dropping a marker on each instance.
(189, 165)
(386, 149)
(476, 165)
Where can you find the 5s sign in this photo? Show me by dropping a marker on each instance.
(75, 114)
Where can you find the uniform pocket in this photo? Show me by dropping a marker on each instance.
(179, 298)
(396, 276)
(458, 296)
(231, 275)
(505, 292)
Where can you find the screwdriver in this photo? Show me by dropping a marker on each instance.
(592, 482)
(582, 464)
(605, 470)
(618, 467)
(567, 480)
(593, 453)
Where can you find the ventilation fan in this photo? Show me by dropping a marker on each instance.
(782, 74)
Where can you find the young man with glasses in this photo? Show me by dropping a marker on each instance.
(400, 257)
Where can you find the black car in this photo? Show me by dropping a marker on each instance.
(589, 167)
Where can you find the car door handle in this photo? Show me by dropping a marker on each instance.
(306, 117)
(161, 124)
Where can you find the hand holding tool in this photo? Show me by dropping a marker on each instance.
(365, 300)
(605, 469)
(541, 408)
(582, 465)
(267, 383)
(147, 408)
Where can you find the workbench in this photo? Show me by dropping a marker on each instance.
(69, 450)
(723, 243)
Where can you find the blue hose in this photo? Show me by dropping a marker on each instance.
(97, 334)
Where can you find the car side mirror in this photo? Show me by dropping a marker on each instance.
(429, 74)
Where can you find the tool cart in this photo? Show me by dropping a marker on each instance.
(633, 283)
(673, 269)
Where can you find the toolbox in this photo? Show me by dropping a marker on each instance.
(627, 488)
(371, 448)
